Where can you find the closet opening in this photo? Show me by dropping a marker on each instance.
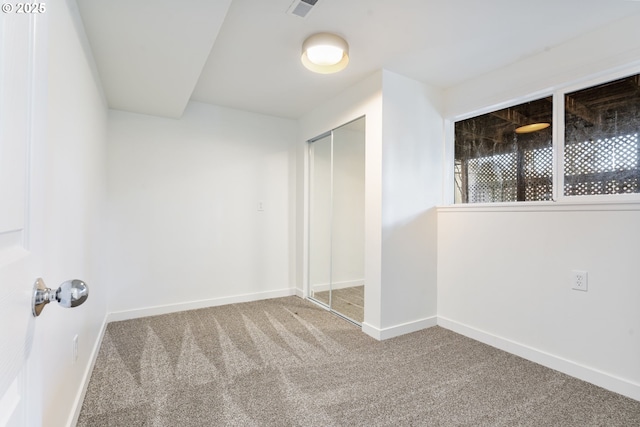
(336, 220)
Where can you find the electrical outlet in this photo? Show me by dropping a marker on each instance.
(579, 280)
(75, 349)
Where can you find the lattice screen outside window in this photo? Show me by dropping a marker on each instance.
(493, 178)
(601, 139)
(605, 166)
(538, 174)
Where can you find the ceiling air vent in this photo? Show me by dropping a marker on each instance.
(301, 8)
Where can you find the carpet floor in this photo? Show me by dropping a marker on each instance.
(287, 362)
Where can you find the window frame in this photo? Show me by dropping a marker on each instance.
(558, 93)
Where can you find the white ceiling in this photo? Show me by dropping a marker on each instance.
(150, 53)
(155, 55)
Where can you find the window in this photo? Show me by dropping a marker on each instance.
(508, 155)
(601, 139)
(505, 155)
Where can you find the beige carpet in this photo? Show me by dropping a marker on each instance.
(287, 362)
(347, 301)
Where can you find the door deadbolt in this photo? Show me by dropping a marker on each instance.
(70, 294)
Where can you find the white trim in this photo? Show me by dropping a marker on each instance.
(559, 127)
(557, 139)
(372, 331)
(86, 377)
(321, 287)
(192, 305)
(299, 293)
(397, 330)
(601, 77)
(309, 164)
(319, 304)
(512, 102)
(630, 204)
(585, 373)
(449, 158)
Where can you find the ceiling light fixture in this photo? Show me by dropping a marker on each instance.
(325, 53)
(532, 127)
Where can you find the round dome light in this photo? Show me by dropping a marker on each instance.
(325, 53)
(532, 127)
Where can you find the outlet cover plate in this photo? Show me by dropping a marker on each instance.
(579, 280)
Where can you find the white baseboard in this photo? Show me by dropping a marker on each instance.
(192, 305)
(593, 376)
(77, 403)
(322, 287)
(299, 293)
(397, 330)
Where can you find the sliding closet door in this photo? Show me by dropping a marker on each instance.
(336, 220)
(320, 188)
(347, 225)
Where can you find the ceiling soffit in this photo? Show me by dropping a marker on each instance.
(150, 53)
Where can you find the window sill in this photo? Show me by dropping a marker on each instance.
(567, 204)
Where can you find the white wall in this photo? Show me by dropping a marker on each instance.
(403, 184)
(506, 274)
(503, 273)
(412, 153)
(75, 188)
(185, 230)
(610, 47)
(363, 99)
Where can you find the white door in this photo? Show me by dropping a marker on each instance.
(22, 100)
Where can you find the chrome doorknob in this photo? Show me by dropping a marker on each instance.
(71, 293)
